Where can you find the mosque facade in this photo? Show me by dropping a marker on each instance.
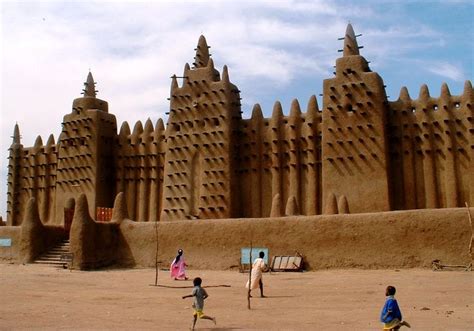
(358, 153)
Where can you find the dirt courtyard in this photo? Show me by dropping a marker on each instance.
(47, 298)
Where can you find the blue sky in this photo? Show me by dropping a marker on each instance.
(275, 50)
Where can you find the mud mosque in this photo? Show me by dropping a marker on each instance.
(358, 153)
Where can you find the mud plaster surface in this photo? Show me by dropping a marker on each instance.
(46, 298)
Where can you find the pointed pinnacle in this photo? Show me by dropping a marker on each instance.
(50, 141)
(467, 94)
(295, 110)
(467, 88)
(89, 86)
(257, 112)
(148, 126)
(350, 42)
(186, 69)
(16, 134)
(174, 83)
(225, 74)
(312, 104)
(159, 125)
(202, 53)
(124, 129)
(404, 95)
(277, 114)
(38, 142)
(137, 129)
(445, 91)
(424, 92)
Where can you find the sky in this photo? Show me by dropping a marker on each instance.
(275, 50)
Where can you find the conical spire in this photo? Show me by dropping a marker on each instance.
(225, 74)
(210, 64)
(277, 114)
(174, 83)
(445, 93)
(404, 95)
(331, 205)
(124, 130)
(159, 124)
(295, 110)
(257, 112)
(50, 141)
(467, 93)
(120, 211)
(424, 92)
(291, 206)
(159, 130)
(38, 142)
(186, 69)
(276, 206)
(138, 128)
(343, 205)
(148, 127)
(312, 104)
(350, 42)
(202, 53)
(89, 87)
(16, 134)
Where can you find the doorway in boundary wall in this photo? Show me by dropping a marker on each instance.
(68, 217)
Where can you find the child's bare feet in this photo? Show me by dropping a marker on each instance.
(214, 320)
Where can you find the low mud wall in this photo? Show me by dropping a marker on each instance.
(93, 244)
(26, 242)
(402, 239)
(9, 243)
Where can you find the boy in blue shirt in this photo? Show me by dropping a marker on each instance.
(391, 315)
(199, 295)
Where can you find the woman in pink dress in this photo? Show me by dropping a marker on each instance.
(178, 267)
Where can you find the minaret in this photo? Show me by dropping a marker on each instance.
(354, 136)
(89, 87)
(350, 42)
(202, 53)
(199, 175)
(14, 208)
(86, 153)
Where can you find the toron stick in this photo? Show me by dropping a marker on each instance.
(250, 276)
(156, 253)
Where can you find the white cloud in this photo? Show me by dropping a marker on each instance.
(447, 70)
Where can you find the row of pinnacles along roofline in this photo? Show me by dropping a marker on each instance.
(359, 153)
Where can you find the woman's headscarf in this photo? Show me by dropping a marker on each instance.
(180, 252)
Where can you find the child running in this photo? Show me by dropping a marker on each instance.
(199, 295)
(391, 315)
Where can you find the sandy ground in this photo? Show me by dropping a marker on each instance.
(47, 298)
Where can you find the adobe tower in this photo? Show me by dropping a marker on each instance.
(85, 153)
(354, 142)
(199, 172)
